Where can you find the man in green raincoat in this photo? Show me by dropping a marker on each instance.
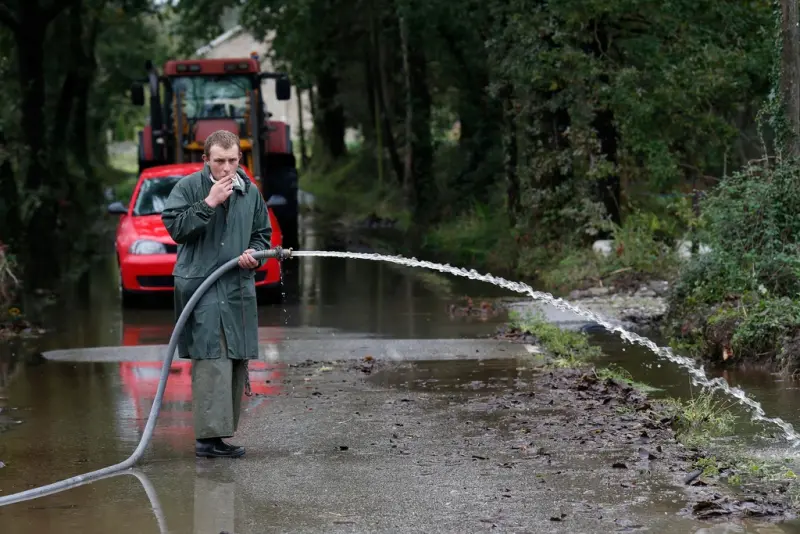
(216, 215)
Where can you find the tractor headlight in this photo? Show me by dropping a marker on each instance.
(146, 246)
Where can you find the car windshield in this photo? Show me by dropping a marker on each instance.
(153, 195)
(213, 97)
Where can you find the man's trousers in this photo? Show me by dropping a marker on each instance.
(217, 388)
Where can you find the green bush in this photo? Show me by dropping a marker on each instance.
(641, 250)
(9, 283)
(480, 239)
(743, 293)
(351, 190)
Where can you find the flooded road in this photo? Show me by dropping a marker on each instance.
(324, 451)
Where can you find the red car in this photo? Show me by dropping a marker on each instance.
(146, 253)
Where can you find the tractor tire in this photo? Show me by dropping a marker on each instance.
(286, 184)
(270, 295)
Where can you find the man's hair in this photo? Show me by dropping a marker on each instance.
(221, 138)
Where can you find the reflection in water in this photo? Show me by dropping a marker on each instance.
(175, 426)
(214, 499)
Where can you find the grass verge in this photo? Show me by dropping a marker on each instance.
(699, 419)
(566, 348)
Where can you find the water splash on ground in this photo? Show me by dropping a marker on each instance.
(696, 372)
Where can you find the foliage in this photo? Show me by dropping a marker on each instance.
(619, 374)
(700, 418)
(69, 73)
(9, 283)
(348, 190)
(552, 104)
(743, 293)
(479, 238)
(566, 347)
(753, 229)
(641, 248)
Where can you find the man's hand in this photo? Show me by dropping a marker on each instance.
(246, 261)
(220, 192)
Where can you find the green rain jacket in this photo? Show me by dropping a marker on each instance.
(207, 238)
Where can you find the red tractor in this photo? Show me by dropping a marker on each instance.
(201, 96)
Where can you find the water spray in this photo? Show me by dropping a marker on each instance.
(697, 373)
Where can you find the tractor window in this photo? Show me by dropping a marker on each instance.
(213, 97)
(153, 195)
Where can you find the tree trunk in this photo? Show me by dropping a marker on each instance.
(790, 74)
(301, 129)
(372, 130)
(29, 25)
(408, 159)
(479, 114)
(609, 186)
(10, 217)
(510, 153)
(88, 70)
(330, 123)
(383, 98)
(41, 224)
(66, 99)
(417, 180)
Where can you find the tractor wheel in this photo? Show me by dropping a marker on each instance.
(270, 295)
(285, 180)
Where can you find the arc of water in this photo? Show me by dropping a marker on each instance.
(697, 374)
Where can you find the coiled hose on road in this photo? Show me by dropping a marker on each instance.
(147, 435)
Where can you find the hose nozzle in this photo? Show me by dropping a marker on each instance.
(283, 253)
(275, 252)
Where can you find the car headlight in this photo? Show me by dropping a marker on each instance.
(146, 246)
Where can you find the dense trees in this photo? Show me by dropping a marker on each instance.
(67, 67)
(548, 122)
(575, 111)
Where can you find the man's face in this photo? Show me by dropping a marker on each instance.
(223, 161)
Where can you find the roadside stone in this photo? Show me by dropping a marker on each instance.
(660, 287)
(598, 291)
(638, 309)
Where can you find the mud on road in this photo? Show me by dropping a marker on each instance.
(471, 445)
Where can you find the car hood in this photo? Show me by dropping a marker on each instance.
(151, 227)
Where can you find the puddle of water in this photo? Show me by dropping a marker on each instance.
(776, 394)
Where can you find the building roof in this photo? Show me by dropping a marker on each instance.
(233, 32)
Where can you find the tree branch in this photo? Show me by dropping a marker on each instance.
(7, 18)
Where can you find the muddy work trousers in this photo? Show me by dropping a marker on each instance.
(217, 389)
